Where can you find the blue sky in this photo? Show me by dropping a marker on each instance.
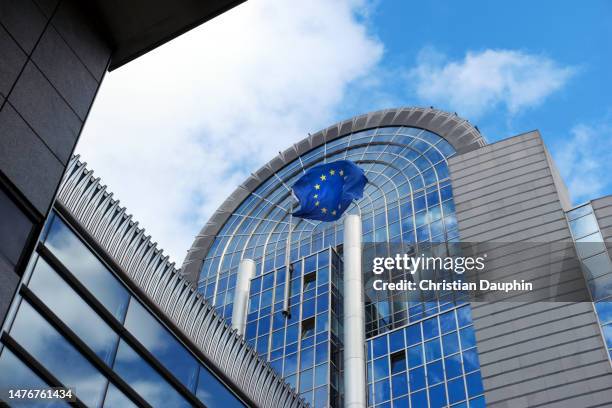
(196, 116)
(573, 35)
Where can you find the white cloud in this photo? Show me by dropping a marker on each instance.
(485, 80)
(174, 132)
(584, 161)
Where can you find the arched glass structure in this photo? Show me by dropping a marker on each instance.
(408, 200)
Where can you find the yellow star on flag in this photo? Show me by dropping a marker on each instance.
(316, 196)
(323, 177)
(317, 186)
(324, 210)
(342, 172)
(334, 212)
(316, 204)
(332, 172)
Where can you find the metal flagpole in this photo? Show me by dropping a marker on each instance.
(288, 264)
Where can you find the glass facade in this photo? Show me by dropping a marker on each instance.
(596, 265)
(407, 201)
(76, 324)
(432, 363)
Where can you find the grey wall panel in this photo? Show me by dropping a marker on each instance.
(89, 43)
(543, 354)
(24, 20)
(46, 112)
(46, 90)
(26, 161)
(61, 66)
(13, 59)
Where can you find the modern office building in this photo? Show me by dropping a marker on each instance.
(432, 178)
(53, 57)
(101, 310)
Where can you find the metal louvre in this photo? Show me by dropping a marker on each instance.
(127, 244)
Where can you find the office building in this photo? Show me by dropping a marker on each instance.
(432, 178)
(101, 310)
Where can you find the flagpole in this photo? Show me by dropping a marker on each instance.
(288, 264)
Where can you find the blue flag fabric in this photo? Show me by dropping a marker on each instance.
(327, 190)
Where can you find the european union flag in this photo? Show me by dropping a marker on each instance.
(327, 190)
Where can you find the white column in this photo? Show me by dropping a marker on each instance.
(354, 319)
(246, 271)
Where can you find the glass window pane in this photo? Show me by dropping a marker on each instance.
(381, 368)
(474, 384)
(450, 343)
(435, 372)
(453, 366)
(456, 390)
(159, 342)
(400, 384)
(584, 226)
(213, 393)
(597, 265)
(73, 310)
(430, 328)
(468, 339)
(115, 398)
(419, 399)
(54, 352)
(145, 380)
(379, 346)
(415, 356)
(413, 334)
(88, 269)
(432, 350)
(417, 378)
(437, 396)
(16, 375)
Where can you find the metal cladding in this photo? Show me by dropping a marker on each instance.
(354, 318)
(457, 131)
(89, 202)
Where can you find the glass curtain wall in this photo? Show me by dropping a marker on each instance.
(596, 265)
(77, 324)
(408, 201)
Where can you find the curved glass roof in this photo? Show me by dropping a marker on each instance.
(408, 199)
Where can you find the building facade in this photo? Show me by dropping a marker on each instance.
(432, 179)
(54, 55)
(102, 311)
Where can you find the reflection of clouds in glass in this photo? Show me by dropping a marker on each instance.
(156, 395)
(72, 310)
(16, 375)
(47, 346)
(115, 398)
(145, 380)
(146, 328)
(161, 343)
(87, 268)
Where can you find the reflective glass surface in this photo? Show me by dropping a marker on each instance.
(15, 375)
(408, 200)
(596, 265)
(88, 269)
(40, 336)
(145, 380)
(440, 367)
(115, 398)
(213, 393)
(163, 345)
(73, 310)
(54, 352)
